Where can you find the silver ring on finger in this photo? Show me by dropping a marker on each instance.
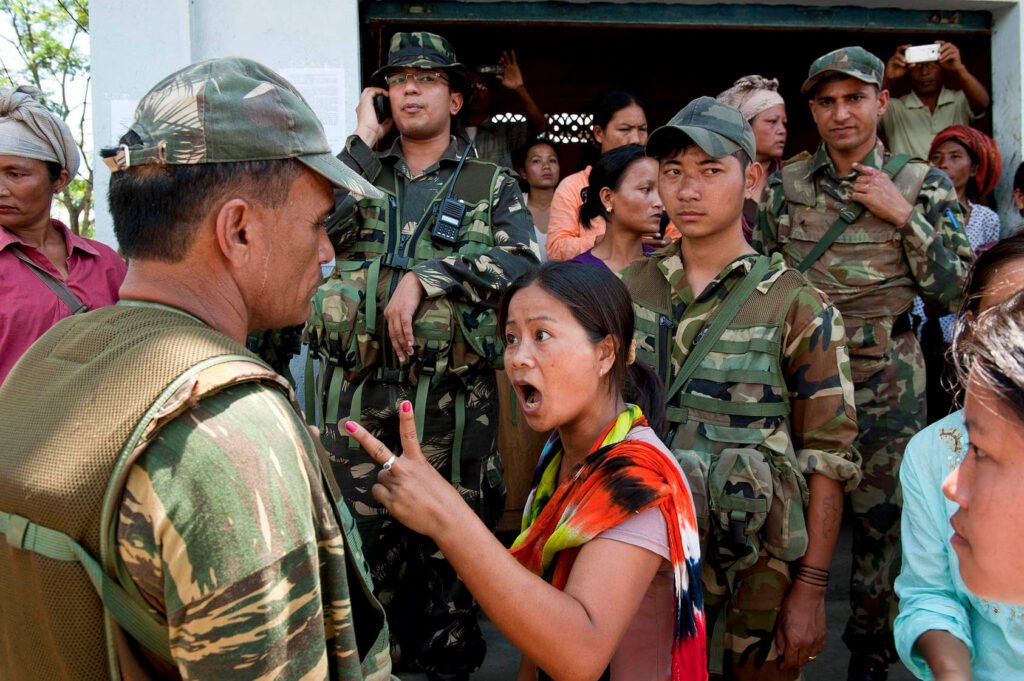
(389, 463)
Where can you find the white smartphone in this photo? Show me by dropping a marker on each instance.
(918, 54)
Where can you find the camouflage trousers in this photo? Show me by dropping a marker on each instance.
(431, 614)
(890, 410)
(746, 619)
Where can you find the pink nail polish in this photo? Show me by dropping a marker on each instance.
(350, 426)
(406, 406)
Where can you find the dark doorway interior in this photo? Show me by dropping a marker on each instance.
(568, 65)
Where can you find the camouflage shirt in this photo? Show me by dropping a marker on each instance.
(481, 277)
(821, 425)
(874, 269)
(226, 529)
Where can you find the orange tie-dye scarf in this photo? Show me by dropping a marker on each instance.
(618, 479)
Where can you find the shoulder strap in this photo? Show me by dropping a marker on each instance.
(126, 604)
(848, 215)
(726, 313)
(24, 534)
(52, 283)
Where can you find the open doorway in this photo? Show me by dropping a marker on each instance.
(568, 61)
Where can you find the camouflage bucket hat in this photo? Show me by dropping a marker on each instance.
(717, 128)
(855, 62)
(230, 110)
(422, 50)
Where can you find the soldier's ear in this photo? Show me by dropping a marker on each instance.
(235, 231)
(755, 173)
(455, 103)
(883, 102)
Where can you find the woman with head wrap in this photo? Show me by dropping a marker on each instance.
(759, 101)
(46, 272)
(974, 164)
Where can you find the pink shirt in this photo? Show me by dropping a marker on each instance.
(28, 308)
(567, 237)
(644, 653)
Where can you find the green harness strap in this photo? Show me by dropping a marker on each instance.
(726, 313)
(460, 428)
(309, 387)
(24, 534)
(847, 216)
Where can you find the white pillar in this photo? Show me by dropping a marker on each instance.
(1007, 119)
(138, 42)
(134, 43)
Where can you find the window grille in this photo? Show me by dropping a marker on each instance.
(563, 128)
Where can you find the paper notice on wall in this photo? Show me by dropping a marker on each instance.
(122, 115)
(324, 89)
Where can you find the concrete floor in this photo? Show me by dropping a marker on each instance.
(503, 660)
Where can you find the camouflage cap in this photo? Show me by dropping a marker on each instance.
(855, 62)
(228, 110)
(422, 50)
(717, 128)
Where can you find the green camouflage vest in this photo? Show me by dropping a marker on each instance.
(867, 253)
(724, 422)
(91, 364)
(346, 329)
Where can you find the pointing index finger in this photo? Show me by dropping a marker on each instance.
(377, 450)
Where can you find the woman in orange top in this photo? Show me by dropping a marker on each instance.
(619, 119)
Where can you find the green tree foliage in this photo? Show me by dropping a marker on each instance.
(49, 37)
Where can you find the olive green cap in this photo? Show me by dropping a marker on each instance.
(855, 62)
(717, 128)
(422, 50)
(229, 110)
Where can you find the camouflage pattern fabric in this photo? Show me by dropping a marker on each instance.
(422, 50)
(433, 617)
(228, 110)
(716, 127)
(751, 611)
(855, 62)
(872, 273)
(816, 431)
(277, 347)
(890, 411)
(271, 573)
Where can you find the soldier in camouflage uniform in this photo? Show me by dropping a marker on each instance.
(408, 314)
(220, 529)
(872, 231)
(759, 400)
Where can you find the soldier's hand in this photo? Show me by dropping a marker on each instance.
(368, 127)
(399, 312)
(876, 191)
(896, 66)
(409, 487)
(800, 632)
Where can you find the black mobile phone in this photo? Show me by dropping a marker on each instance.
(382, 105)
(491, 69)
(665, 221)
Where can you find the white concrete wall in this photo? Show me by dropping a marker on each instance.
(135, 43)
(315, 43)
(1007, 117)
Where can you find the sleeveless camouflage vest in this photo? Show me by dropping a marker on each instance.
(746, 486)
(346, 328)
(91, 364)
(851, 272)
